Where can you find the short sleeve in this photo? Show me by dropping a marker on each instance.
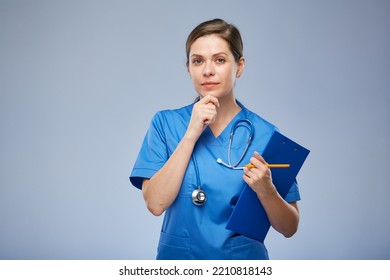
(293, 194)
(153, 153)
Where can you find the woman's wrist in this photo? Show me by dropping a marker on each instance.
(190, 137)
(268, 193)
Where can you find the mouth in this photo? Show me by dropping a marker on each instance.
(209, 85)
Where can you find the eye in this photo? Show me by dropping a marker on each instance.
(197, 61)
(220, 60)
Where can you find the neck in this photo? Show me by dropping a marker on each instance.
(228, 109)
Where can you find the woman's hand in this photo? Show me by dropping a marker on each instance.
(259, 177)
(203, 114)
(284, 216)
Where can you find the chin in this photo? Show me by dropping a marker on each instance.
(212, 93)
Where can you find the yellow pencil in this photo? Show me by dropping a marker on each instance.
(277, 165)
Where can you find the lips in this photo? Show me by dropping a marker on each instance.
(210, 84)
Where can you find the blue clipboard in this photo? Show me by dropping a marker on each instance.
(249, 217)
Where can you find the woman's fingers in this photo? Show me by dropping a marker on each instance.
(207, 109)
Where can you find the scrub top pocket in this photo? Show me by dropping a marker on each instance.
(172, 247)
(244, 248)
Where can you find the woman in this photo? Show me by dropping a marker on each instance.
(177, 168)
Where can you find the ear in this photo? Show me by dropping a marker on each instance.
(188, 70)
(240, 67)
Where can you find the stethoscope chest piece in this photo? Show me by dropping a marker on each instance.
(199, 197)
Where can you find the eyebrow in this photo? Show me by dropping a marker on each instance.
(214, 55)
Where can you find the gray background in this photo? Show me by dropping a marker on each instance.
(81, 80)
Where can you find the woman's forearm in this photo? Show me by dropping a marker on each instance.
(283, 216)
(161, 190)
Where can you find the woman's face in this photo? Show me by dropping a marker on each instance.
(212, 67)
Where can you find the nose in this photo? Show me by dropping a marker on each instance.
(208, 69)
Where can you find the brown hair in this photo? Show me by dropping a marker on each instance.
(224, 30)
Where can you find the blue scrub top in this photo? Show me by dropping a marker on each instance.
(198, 232)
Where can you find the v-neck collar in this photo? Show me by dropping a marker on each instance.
(224, 136)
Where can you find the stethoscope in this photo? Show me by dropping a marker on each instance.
(199, 196)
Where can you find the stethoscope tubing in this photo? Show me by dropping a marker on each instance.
(198, 195)
(234, 127)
